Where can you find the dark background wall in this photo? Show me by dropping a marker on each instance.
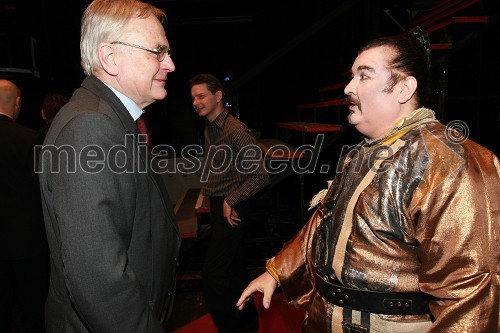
(276, 55)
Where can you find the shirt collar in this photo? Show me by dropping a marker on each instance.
(132, 108)
(221, 119)
(7, 117)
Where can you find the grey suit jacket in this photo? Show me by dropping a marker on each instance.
(113, 238)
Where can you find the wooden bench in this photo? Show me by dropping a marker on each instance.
(274, 149)
(185, 214)
(187, 211)
(202, 204)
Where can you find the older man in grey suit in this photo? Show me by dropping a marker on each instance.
(112, 235)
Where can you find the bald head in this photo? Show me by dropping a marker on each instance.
(10, 99)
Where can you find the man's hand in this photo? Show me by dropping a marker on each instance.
(264, 283)
(230, 214)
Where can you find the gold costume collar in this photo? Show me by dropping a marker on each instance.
(403, 125)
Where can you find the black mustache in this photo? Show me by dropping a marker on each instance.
(352, 100)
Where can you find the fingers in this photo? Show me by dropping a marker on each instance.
(244, 298)
(230, 214)
(231, 222)
(265, 283)
(266, 301)
(269, 286)
(241, 304)
(232, 217)
(229, 219)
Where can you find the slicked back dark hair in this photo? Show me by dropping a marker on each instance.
(411, 57)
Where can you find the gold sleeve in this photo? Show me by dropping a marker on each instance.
(271, 269)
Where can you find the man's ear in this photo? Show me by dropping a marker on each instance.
(44, 116)
(107, 57)
(218, 96)
(408, 88)
(18, 103)
(17, 108)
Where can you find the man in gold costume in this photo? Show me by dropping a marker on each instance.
(406, 238)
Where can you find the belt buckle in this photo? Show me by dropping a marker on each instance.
(348, 327)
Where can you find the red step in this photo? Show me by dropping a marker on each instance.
(332, 102)
(442, 10)
(340, 85)
(460, 19)
(310, 127)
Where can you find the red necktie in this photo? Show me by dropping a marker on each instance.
(143, 129)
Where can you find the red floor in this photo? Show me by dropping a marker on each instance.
(279, 318)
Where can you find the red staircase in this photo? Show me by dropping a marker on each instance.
(446, 14)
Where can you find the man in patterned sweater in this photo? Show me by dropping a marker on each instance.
(235, 172)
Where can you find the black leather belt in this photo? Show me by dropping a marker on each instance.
(372, 301)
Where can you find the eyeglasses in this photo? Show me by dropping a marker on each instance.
(161, 51)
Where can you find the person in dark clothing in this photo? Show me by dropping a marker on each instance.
(24, 258)
(52, 103)
(230, 184)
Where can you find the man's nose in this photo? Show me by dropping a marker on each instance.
(168, 64)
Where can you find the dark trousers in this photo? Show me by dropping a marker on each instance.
(24, 283)
(225, 274)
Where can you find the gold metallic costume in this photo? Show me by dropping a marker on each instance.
(417, 210)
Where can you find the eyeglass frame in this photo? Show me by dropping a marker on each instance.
(161, 51)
